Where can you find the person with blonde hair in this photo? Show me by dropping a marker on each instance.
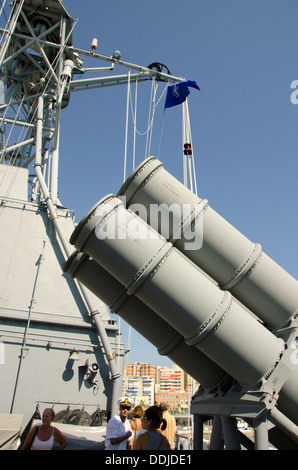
(136, 420)
(42, 437)
(170, 431)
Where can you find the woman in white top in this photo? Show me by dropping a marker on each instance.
(42, 437)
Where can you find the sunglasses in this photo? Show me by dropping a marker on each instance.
(125, 407)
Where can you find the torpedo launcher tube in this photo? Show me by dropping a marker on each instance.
(177, 290)
(220, 250)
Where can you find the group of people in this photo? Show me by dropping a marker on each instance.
(131, 429)
(152, 429)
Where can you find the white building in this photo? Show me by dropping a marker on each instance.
(141, 389)
(169, 379)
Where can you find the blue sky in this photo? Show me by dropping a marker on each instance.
(244, 56)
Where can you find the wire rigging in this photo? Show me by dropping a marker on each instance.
(189, 172)
(148, 132)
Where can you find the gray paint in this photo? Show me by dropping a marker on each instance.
(53, 316)
(163, 336)
(233, 261)
(171, 285)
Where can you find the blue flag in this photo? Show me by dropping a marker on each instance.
(178, 93)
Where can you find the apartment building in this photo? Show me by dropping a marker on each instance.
(148, 384)
(169, 379)
(177, 400)
(140, 369)
(140, 388)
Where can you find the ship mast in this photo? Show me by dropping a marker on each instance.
(37, 58)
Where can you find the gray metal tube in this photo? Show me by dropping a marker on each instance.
(288, 397)
(198, 432)
(177, 290)
(261, 433)
(216, 441)
(165, 338)
(233, 261)
(230, 433)
(285, 424)
(116, 376)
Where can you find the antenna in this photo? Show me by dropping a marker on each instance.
(33, 55)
